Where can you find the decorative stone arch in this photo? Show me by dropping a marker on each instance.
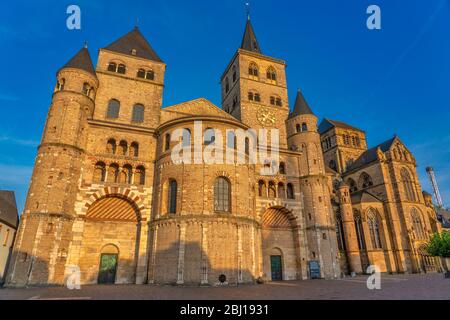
(111, 248)
(282, 208)
(136, 201)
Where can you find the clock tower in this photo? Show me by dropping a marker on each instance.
(254, 88)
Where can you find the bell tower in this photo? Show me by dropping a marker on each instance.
(254, 88)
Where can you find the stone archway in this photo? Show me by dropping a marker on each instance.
(279, 244)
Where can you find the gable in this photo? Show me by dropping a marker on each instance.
(194, 108)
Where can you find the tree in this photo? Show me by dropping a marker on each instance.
(439, 245)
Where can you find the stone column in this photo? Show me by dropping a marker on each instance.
(348, 222)
(181, 251)
(151, 269)
(204, 271)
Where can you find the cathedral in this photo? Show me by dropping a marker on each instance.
(107, 202)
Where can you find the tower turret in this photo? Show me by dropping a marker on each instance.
(303, 137)
(49, 210)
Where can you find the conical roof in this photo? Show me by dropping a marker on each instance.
(301, 107)
(134, 40)
(82, 60)
(249, 41)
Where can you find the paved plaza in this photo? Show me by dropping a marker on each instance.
(429, 286)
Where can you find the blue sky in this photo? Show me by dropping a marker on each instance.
(390, 81)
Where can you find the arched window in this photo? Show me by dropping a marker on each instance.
(150, 75)
(304, 127)
(253, 70)
(365, 181)
(210, 136)
(113, 109)
(227, 85)
(272, 100)
(134, 149)
(340, 233)
(352, 185)
(251, 96)
(186, 138)
(278, 102)
(257, 97)
(111, 146)
(374, 228)
(272, 190)
(138, 113)
(408, 186)
(262, 189)
(113, 173)
(141, 73)
(290, 191)
(121, 69)
(298, 128)
(125, 174)
(282, 168)
(99, 172)
(167, 142)
(231, 140)
(247, 146)
(140, 175)
(112, 66)
(222, 195)
(86, 89)
(172, 196)
(271, 74)
(417, 224)
(281, 191)
(123, 148)
(359, 230)
(60, 85)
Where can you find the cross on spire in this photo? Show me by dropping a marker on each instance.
(247, 10)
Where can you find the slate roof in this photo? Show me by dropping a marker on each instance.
(301, 107)
(328, 124)
(357, 196)
(8, 209)
(444, 217)
(82, 60)
(371, 155)
(134, 40)
(249, 41)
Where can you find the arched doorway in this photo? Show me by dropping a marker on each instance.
(112, 225)
(279, 242)
(108, 265)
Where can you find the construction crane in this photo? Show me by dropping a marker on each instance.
(432, 177)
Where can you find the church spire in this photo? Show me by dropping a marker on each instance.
(82, 60)
(249, 41)
(301, 107)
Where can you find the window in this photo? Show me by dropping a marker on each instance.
(227, 85)
(210, 136)
(282, 168)
(234, 74)
(408, 187)
(113, 173)
(172, 197)
(222, 195)
(167, 142)
(150, 75)
(340, 233)
(359, 230)
(247, 146)
(290, 191)
(332, 165)
(417, 224)
(272, 190)
(281, 191)
(86, 89)
(138, 113)
(262, 189)
(126, 174)
(374, 228)
(257, 97)
(346, 139)
(278, 102)
(60, 85)
(271, 74)
(99, 172)
(304, 127)
(253, 70)
(112, 67)
(121, 69)
(186, 138)
(365, 181)
(352, 185)
(251, 96)
(113, 109)
(140, 175)
(272, 101)
(123, 148)
(111, 146)
(141, 73)
(134, 149)
(231, 140)
(298, 128)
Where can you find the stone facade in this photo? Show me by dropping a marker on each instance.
(107, 198)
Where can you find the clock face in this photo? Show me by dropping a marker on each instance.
(266, 117)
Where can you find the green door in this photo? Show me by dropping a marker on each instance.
(108, 267)
(275, 266)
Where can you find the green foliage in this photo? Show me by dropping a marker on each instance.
(439, 245)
